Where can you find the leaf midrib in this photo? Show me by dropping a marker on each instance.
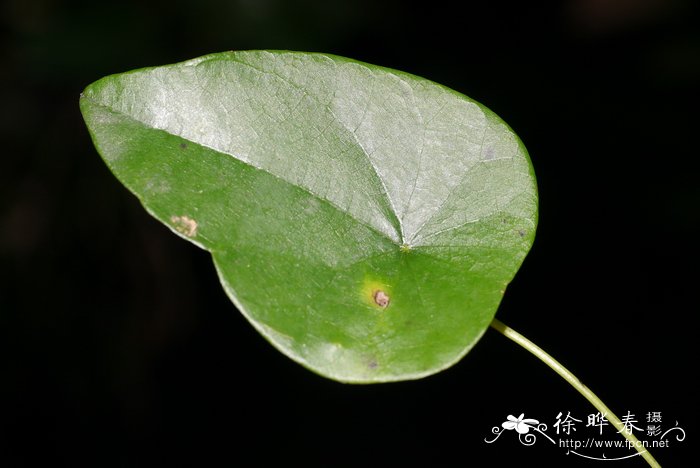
(246, 163)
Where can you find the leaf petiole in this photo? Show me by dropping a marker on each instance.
(577, 384)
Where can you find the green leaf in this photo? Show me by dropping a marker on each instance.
(364, 220)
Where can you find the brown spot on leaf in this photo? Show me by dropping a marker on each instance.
(381, 298)
(372, 364)
(521, 233)
(184, 225)
(183, 145)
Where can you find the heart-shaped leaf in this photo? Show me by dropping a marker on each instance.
(364, 220)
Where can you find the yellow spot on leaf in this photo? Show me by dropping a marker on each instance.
(381, 299)
(184, 225)
(376, 293)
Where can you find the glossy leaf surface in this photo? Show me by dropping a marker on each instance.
(364, 220)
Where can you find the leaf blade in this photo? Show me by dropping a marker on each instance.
(313, 196)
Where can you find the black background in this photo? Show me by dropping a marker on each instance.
(119, 348)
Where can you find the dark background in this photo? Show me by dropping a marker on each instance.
(118, 347)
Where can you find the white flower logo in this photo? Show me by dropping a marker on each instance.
(522, 426)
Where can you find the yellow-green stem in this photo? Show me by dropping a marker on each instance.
(577, 384)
